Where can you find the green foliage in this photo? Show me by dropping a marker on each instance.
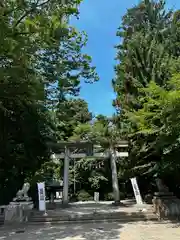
(147, 102)
(90, 172)
(144, 54)
(41, 63)
(159, 117)
(99, 130)
(69, 115)
(84, 196)
(109, 197)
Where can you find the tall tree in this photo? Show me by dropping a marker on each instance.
(147, 53)
(39, 51)
(69, 114)
(159, 118)
(142, 55)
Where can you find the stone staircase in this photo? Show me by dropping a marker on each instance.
(72, 215)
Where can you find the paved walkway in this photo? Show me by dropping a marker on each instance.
(81, 208)
(96, 231)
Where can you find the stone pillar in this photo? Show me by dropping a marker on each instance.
(66, 177)
(115, 184)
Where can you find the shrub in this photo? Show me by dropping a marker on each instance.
(84, 196)
(109, 197)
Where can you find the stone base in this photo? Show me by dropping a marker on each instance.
(166, 206)
(17, 212)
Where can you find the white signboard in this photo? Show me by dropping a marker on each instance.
(42, 196)
(136, 191)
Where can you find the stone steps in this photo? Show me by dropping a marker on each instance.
(120, 217)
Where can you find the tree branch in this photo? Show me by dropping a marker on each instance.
(29, 11)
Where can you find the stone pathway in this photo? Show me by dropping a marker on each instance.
(82, 211)
(96, 231)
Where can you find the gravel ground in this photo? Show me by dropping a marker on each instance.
(150, 231)
(95, 231)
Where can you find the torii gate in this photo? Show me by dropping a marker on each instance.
(87, 149)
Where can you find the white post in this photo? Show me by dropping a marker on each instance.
(66, 177)
(115, 184)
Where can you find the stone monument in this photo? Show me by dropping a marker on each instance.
(165, 204)
(22, 194)
(18, 210)
(162, 188)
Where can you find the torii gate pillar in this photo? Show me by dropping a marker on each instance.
(66, 177)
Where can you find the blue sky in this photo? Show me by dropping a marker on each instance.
(100, 20)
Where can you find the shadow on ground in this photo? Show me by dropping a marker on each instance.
(57, 209)
(88, 231)
(110, 230)
(71, 231)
